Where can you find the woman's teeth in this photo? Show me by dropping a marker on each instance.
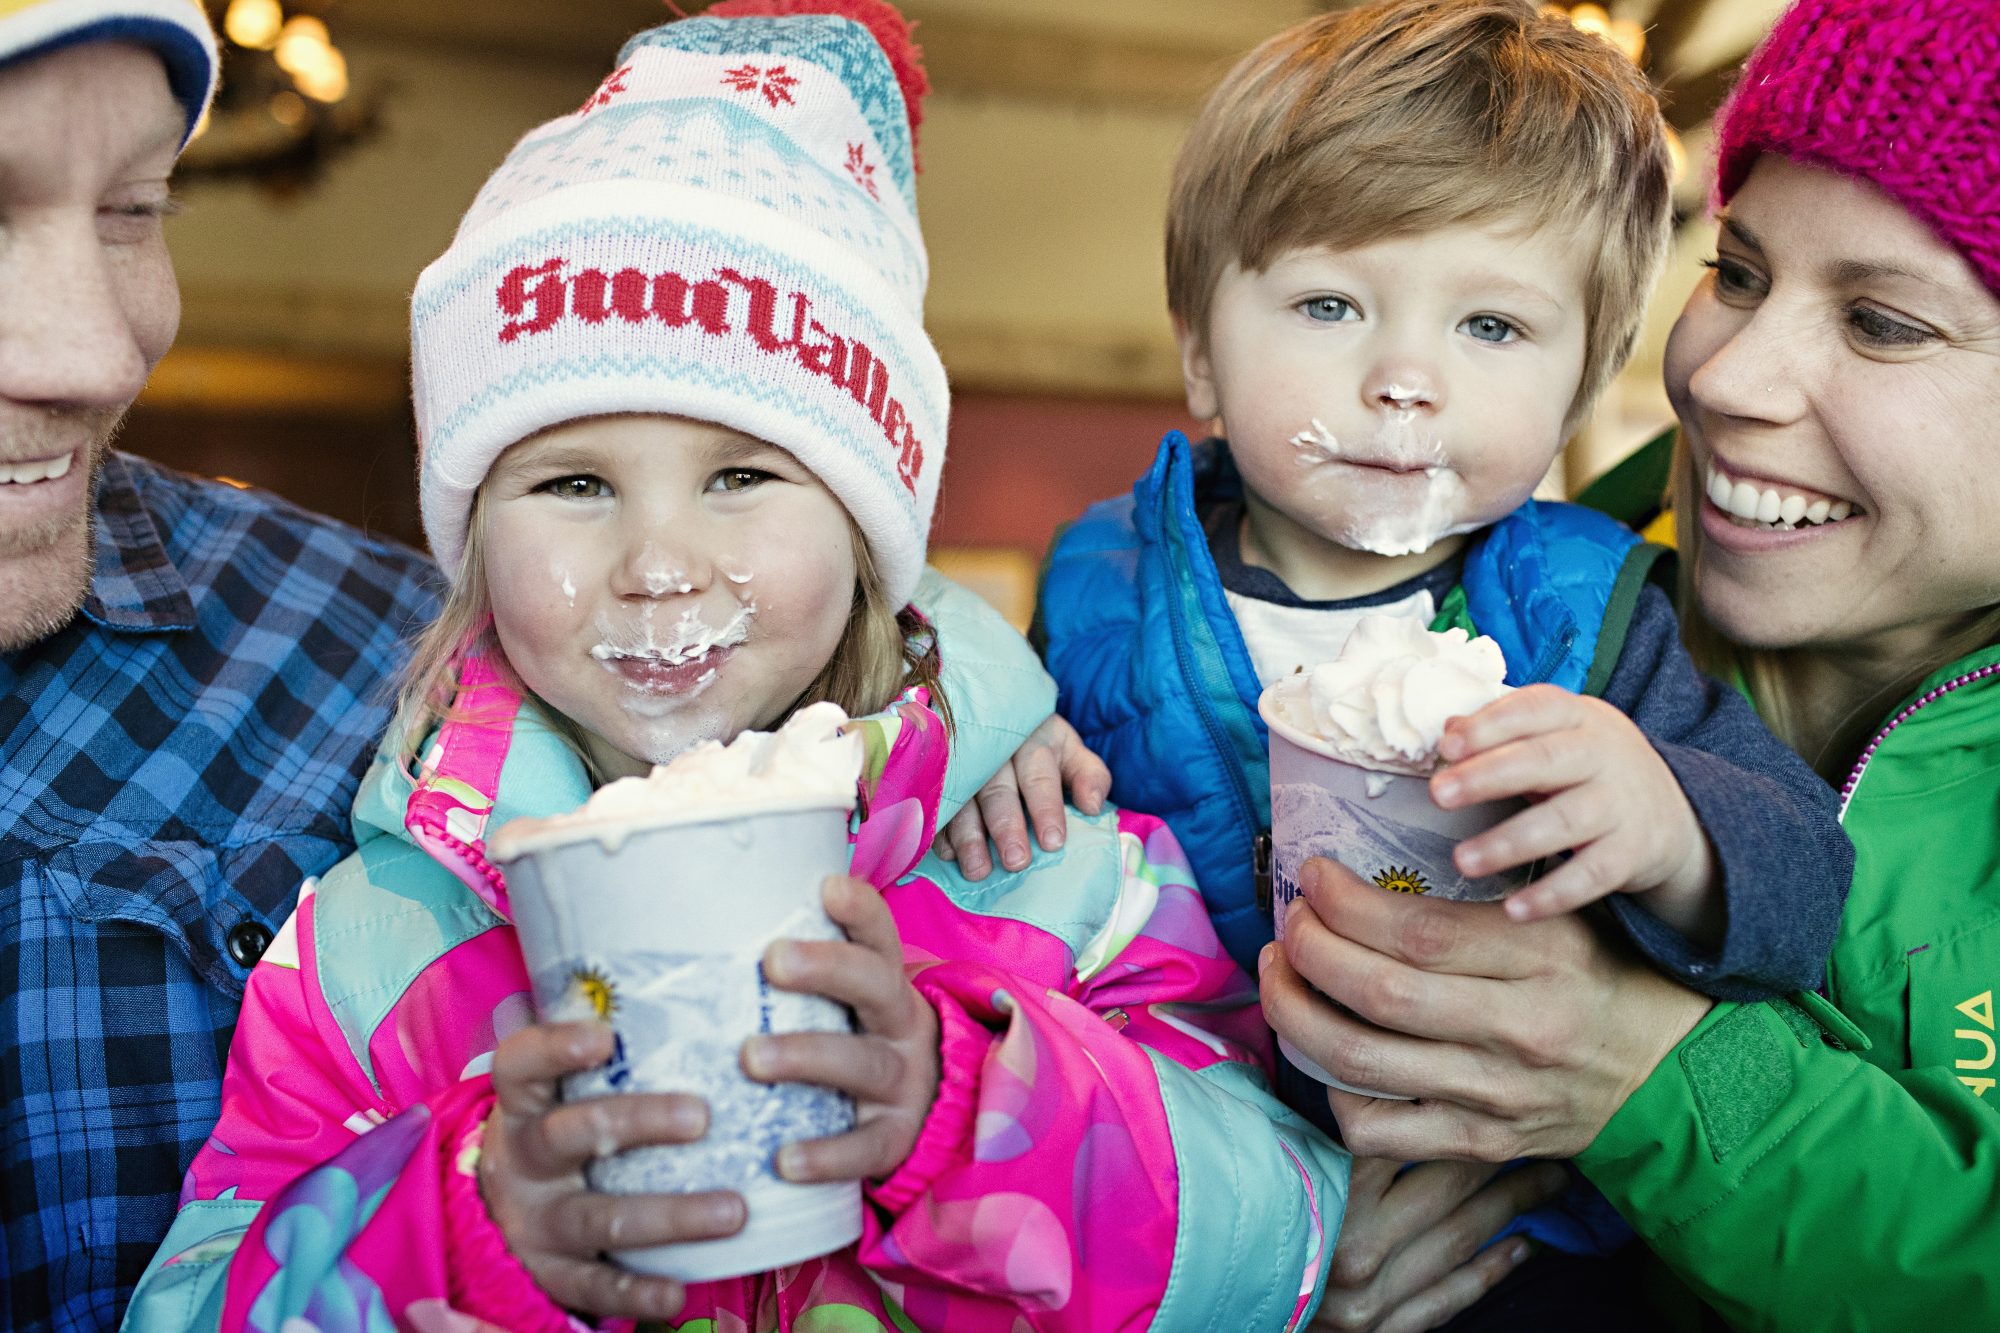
(47, 469)
(1754, 507)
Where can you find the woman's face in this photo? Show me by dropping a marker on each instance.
(1837, 378)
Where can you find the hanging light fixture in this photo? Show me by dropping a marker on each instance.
(285, 107)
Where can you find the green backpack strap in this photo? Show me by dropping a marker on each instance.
(1635, 490)
(1644, 563)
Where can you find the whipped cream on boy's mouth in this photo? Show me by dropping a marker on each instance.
(1399, 523)
(1384, 701)
(807, 761)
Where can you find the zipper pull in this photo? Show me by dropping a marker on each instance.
(1260, 869)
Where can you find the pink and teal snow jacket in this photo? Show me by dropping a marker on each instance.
(1104, 1152)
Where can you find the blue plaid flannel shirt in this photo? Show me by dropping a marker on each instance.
(172, 765)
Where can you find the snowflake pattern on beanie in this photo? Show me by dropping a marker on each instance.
(725, 230)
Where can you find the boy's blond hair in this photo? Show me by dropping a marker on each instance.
(1405, 117)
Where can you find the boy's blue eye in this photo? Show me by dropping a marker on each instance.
(1491, 329)
(1327, 309)
(575, 487)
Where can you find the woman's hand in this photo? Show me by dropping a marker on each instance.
(1053, 758)
(531, 1175)
(1520, 1039)
(889, 1067)
(1409, 1257)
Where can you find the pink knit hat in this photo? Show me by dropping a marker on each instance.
(1904, 94)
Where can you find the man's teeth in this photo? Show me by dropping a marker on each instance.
(1750, 505)
(47, 469)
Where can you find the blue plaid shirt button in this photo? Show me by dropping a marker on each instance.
(247, 941)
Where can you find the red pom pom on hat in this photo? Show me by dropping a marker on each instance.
(885, 23)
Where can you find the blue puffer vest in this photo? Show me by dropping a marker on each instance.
(1154, 673)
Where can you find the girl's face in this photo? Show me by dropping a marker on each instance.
(1837, 379)
(661, 581)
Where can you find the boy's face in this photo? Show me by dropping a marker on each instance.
(1379, 398)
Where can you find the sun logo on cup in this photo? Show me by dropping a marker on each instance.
(598, 989)
(1402, 879)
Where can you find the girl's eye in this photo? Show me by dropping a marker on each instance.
(1328, 309)
(1732, 278)
(1882, 330)
(575, 488)
(1491, 329)
(735, 480)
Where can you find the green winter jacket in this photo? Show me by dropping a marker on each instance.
(1814, 1165)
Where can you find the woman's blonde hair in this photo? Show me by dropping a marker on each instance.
(1772, 675)
(883, 651)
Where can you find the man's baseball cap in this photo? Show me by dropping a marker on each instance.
(177, 29)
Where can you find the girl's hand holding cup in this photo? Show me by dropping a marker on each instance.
(889, 1066)
(531, 1175)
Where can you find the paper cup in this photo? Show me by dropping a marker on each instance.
(660, 930)
(1381, 825)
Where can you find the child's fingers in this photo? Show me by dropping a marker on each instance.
(857, 908)
(1528, 711)
(999, 804)
(562, 1141)
(867, 1069)
(1564, 822)
(866, 1152)
(966, 834)
(528, 1063)
(860, 978)
(1041, 783)
(1595, 872)
(1084, 773)
(1530, 766)
(607, 1291)
(1460, 1290)
(587, 1221)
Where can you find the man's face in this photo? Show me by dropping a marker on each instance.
(87, 302)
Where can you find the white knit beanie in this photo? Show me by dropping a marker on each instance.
(726, 231)
(177, 29)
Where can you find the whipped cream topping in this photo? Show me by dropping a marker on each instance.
(1384, 701)
(809, 761)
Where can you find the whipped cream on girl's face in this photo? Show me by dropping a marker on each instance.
(692, 636)
(632, 509)
(1384, 701)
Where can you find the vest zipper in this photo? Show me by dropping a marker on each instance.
(1246, 809)
(1930, 696)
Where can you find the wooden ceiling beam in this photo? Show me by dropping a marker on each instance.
(966, 56)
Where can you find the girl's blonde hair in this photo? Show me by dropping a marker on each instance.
(1772, 675)
(883, 651)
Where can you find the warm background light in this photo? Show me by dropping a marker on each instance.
(1048, 144)
(254, 23)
